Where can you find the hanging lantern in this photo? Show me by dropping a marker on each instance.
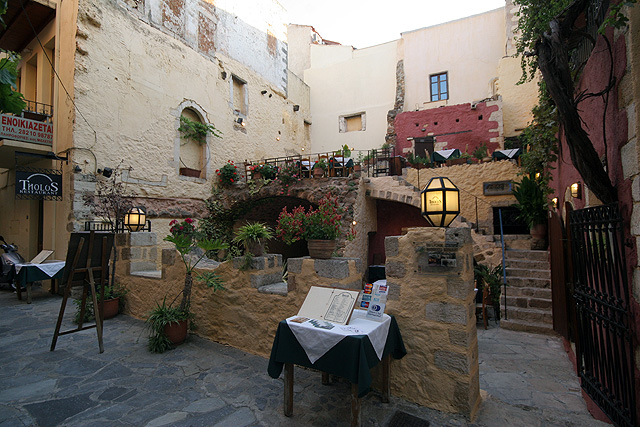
(440, 202)
(135, 219)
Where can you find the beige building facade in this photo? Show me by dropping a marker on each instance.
(126, 73)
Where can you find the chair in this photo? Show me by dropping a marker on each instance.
(482, 306)
(381, 162)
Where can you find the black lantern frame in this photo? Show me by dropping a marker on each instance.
(440, 202)
(135, 219)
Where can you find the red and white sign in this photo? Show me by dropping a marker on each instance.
(19, 129)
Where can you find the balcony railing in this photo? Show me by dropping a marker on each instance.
(38, 111)
(595, 14)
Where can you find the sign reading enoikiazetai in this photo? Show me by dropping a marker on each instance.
(20, 129)
(43, 184)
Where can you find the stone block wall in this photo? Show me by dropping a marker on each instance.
(430, 274)
(343, 273)
(139, 250)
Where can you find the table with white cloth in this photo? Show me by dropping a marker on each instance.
(347, 351)
(27, 273)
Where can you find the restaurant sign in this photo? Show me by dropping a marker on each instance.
(497, 188)
(41, 184)
(20, 129)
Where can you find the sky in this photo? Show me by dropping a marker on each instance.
(364, 23)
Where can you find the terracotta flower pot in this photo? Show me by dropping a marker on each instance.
(321, 249)
(111, 308)
(256, 175)
(176, 332)
(318, 172)
(256, 248)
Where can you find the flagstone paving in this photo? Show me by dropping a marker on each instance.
(526, 380)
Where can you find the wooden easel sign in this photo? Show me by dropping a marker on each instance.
(87, 264)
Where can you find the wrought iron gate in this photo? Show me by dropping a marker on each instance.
(604, 343)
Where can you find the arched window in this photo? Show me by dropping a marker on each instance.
(193, 145)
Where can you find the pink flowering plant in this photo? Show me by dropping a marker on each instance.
(228, 174)
(322, 223)
(267, 171)
(288, 174)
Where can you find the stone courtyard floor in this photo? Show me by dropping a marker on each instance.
(526, 380)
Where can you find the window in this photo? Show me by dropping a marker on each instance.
(239, 95)
(439, 87)
(352, 122)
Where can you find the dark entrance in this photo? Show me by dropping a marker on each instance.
(424, 147)
(510, 222)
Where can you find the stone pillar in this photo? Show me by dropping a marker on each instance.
(138, 250)
(430, 274)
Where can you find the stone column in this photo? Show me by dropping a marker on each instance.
(430, 274)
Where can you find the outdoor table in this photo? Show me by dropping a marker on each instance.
(27, 273)
(507, 154)
(444, 155)
(351, 358)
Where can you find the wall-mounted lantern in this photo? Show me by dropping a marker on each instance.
(576, 190)
(135, 219)
(440, 202)
(554, 203)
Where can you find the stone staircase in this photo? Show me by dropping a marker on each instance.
(394, 188)
(528, 293)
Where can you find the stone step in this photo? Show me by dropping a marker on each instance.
(527, 302)
(527, 255)
(530, 273)
(154, 274)
(528, 282)
(523, 291)
(527, 264)
(137, 266)
(279, 288)
(524, 326)
(534, 315)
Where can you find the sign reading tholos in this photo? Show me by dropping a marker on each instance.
(12, 127)
(43, 184)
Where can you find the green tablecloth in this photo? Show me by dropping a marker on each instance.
(352, 358)
(31, 273)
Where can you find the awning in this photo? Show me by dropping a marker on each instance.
(443, 155)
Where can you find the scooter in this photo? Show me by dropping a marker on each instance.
(7, 260)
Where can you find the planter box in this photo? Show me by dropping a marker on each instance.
(190, 172)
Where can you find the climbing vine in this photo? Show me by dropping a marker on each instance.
(547, 30)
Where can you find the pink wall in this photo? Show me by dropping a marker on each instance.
(392, 218)
(594, 79)
(458, 125)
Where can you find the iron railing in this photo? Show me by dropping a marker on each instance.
(108, 226)
(37, 111)
(595, 15)
(604, 346)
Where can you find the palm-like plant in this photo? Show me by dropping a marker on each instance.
(532, 202)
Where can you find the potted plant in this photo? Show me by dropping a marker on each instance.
(263, 171)
(288, 174)
(491, 277)
(532, 205)
(228, 174)
(481, 153)
(345, 151)
(197, 131)
(112, 304)
(320, 168)
(253, 236)
(165, 319)
(418, 162)
(319, 227)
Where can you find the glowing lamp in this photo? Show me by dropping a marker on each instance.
(135, 219)
(576, 190)
(440, 202)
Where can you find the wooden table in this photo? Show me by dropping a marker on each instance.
(352, 358)
(29, 273)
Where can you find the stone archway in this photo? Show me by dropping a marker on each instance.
(266, 203)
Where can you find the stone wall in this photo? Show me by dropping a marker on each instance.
(435, 309)
(469, 178)
(433, 305)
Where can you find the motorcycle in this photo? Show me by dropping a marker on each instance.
(7, 260)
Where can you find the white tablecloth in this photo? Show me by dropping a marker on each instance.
(316, 341)
(48, 268)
